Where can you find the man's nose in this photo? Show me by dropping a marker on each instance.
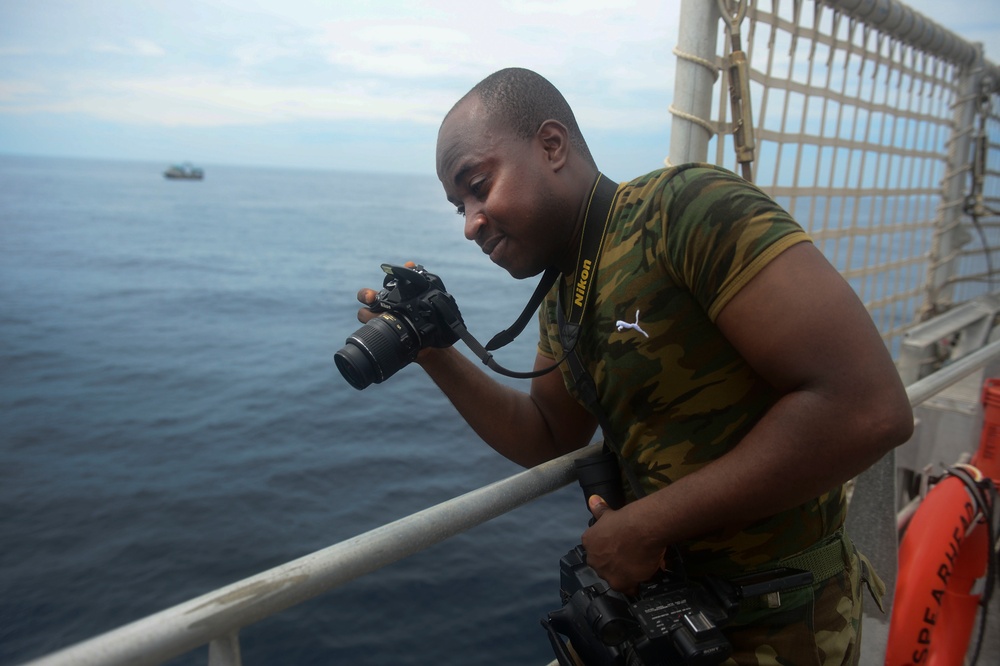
(474, 222)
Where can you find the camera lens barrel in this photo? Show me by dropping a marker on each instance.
(377, 350)
(600, 475)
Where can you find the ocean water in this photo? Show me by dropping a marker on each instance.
(171, 419)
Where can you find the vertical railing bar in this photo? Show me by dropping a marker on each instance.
(225, 650)
(693, 83)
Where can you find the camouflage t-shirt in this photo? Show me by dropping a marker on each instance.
(680, 244)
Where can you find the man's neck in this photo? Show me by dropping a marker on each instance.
(568, 265)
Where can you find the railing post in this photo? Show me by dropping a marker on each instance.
(697, 36)
(225, 650)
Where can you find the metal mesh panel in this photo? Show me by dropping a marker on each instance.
(865, 136)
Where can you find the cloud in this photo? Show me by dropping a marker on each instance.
(180, 102)
(14, 91)
(134, 46)
(398, 50)
(281, 62)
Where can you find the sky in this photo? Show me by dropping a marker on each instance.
(357, 85)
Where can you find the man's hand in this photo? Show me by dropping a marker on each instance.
(615, 551)
(367, 296)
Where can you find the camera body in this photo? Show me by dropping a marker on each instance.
(415, 312)
(671, 620)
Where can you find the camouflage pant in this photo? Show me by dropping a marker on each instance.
(818, 625)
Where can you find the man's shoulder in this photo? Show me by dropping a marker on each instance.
(682, 174)
(683, 183)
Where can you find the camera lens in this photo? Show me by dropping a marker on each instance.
(600, 475)
(376, 351)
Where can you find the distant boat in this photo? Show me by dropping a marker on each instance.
(185, 171)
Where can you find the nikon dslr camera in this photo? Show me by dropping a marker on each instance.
(416, 312)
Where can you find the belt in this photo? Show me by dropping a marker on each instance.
(824, 560)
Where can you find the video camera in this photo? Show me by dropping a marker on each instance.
(672, 620)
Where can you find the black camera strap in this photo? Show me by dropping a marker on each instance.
(569, 326)
(596, 218)
(506, 336)
(602, 203)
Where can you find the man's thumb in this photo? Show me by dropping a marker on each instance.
(597, 506)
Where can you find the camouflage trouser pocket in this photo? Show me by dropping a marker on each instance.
(816, 625)
(762, 637)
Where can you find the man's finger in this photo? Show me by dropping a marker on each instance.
(597, 506)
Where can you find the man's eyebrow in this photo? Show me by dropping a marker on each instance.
(462, 170)
(472, 163)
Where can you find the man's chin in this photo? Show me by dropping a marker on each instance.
(518, 271)
(522, 272)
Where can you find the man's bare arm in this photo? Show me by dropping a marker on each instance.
(843, 406)
(527, 428)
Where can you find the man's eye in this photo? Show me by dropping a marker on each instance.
(460, 210)
(476, 187)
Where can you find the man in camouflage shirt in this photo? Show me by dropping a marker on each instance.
(742, 377)
(678, 396)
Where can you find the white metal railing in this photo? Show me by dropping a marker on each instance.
(217, 617)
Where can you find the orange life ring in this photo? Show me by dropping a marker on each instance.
(943, 552)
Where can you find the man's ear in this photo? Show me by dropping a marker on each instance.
(554, 138)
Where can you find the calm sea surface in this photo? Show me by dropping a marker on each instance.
(171, 419)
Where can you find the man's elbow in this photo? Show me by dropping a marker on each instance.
(892, 424)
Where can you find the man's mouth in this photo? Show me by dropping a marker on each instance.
(491, 244)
